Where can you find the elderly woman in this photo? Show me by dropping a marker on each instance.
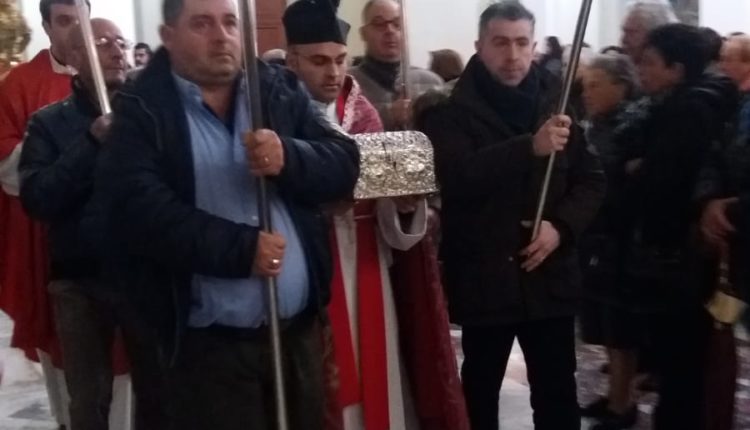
(610, 94)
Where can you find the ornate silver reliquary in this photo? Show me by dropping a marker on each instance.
(394, 164)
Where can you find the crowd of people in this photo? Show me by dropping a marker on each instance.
(131, 242)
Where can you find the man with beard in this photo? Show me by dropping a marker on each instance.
(317, 53)
(492, 141)
(142, 54)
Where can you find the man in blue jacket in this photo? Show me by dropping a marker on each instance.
(179, 169)
(57, 169)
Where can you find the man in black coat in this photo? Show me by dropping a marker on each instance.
(180, 168)
(492, 140)
(57, 169)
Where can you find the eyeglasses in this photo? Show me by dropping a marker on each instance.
(382, 24)
(108, 43)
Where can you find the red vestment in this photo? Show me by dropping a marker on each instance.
(24, 254)
(424, 330)
(24, 251)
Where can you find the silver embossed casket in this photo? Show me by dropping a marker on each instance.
(393, 164)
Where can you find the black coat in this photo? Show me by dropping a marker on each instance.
(146, 178)
(661, 212)
(490, 182)
(57, 170)
(726, 174)
(615, 137)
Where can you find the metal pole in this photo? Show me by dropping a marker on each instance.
(96, 69)
(562, 107)
(405, 55)
(250, 56)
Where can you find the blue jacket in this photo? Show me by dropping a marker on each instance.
(145, 176)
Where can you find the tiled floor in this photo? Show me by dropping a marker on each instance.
(23, 400)
(23, 403)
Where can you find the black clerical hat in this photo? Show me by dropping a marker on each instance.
(314, 21)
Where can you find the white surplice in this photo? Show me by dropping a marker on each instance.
(391, 235)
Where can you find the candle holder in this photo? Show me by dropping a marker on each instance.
(14, 35)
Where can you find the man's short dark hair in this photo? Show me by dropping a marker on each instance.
(171, 10)
(45, 7)
(510, 10)
(681, 44)
(144, 46)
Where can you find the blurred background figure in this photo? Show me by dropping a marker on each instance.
(552, 57)
(447, 64)
(142, 54)
(642, 17)
(612, 50)
(735, 61)
(275, 56)
(610, 95)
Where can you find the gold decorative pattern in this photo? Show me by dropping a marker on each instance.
(14, 35)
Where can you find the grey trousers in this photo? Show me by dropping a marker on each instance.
(87, 316)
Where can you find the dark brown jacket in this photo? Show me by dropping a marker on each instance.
(490, 183)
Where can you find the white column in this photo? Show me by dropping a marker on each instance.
(610, 17)
(148, 20)
(351, 12)
(442, 24)
(725, 16)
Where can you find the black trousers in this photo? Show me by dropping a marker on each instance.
(87, 316)
(680, 340)
(223, 379)
(549, 349)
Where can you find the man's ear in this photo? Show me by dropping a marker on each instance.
(167, 36)
(47, 29)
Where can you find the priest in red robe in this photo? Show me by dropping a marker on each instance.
(23, 242)
(375, 366)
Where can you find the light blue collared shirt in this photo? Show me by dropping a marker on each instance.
(225, 187)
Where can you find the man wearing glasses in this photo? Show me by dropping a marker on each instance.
(56, 169)
(379, 74)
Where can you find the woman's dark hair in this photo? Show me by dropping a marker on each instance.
(555, 48)
(681, 44)
(613, 49)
